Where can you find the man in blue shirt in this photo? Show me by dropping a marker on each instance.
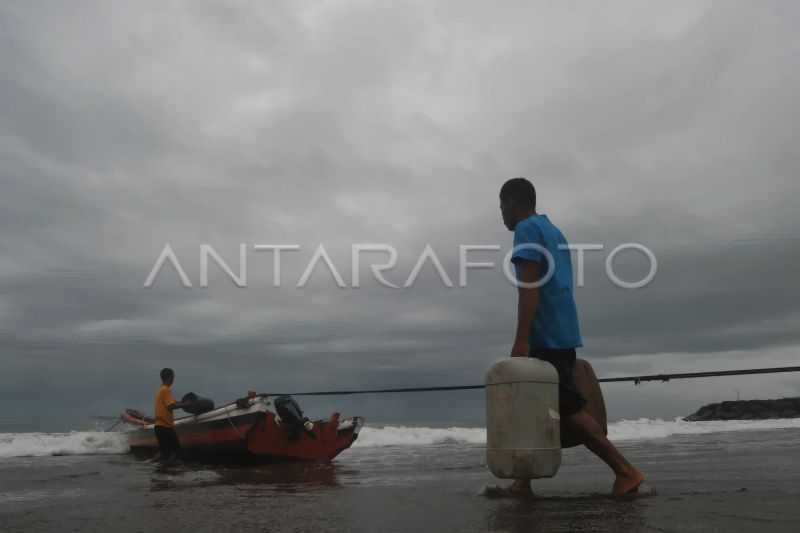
(547, 322)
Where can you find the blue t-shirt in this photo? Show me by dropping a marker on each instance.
(556, 322)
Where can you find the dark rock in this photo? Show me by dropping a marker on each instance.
(748, 410)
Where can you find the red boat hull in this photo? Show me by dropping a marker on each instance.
(253, 436)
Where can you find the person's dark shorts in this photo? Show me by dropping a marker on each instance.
(168, 443)
(570, 400)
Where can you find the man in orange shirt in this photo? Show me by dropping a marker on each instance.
(168, 443)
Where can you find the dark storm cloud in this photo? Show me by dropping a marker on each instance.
(123, 128)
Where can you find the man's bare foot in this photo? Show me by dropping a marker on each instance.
(627, 483)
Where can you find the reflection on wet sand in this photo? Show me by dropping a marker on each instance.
(581, 513)
(282, 477)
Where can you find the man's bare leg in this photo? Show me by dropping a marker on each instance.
(628, 477)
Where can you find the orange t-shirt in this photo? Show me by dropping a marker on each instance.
(163, 400)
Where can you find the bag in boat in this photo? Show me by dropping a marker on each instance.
(292, 417)
(197, 404)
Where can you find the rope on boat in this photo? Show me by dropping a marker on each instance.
(236, 429)
(635, 379)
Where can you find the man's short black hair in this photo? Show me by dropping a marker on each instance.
(167, 374)
(520, 192)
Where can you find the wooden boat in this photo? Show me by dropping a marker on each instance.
(251, 428)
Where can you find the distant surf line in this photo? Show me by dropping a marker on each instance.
(14, 445)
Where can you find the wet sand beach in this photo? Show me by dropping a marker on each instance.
(726, 481)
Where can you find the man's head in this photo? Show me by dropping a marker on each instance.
(167, 376)
(517, 201)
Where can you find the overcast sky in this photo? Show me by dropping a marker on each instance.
(124, 127)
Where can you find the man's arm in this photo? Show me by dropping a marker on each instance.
(172, 404)
(178, 405)
(527, 272)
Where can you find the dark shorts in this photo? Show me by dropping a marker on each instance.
(168, 443)
(570, 400)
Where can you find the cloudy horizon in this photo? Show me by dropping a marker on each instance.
(124, 127)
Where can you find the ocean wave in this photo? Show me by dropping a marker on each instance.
(418, 436)
(97, 442)
(72, 443)
(646, 428)
(623, 430)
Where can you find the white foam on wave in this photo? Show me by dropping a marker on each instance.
(418, 436)
(72, 443)
(624, 430)
(646, 428)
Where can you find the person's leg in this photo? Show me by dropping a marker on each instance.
(521, 487)
(174, 444)
(572, 406)
(628, 477)
(163, 443)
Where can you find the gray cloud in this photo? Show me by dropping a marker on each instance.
(123, 128)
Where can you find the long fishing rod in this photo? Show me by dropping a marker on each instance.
(690, 375)
(635, 379)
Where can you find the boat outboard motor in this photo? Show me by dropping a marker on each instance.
(197, 404)
(292, 418)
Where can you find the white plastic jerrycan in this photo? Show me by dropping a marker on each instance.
(522, 423)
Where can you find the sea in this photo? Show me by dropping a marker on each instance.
(725, 476)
